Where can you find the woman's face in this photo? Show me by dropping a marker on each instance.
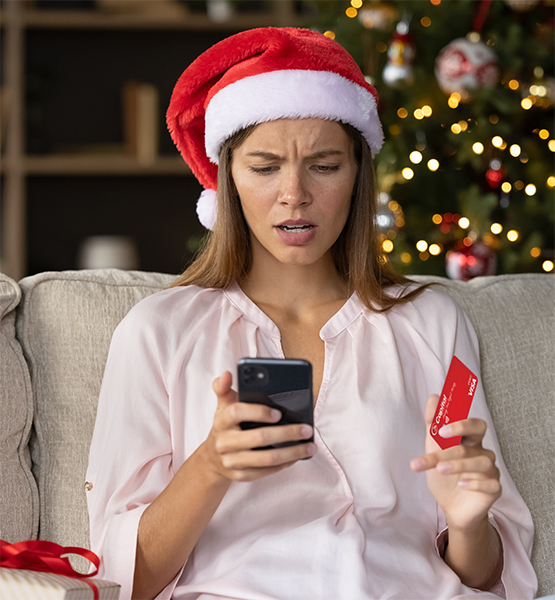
(295, 179)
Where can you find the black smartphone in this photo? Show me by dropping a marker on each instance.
(282, 383)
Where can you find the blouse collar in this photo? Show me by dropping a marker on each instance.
(338, 322)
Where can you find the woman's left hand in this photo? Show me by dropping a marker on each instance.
(463, 479)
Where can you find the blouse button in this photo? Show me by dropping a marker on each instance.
(88, 486)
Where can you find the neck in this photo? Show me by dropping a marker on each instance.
(295, 288)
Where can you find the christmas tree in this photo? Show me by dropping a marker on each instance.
(465, 177)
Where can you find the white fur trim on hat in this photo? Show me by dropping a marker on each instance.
(290, 94)
(207, 208)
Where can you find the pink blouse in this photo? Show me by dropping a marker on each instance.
(352, 523)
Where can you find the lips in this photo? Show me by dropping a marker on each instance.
(296, 232)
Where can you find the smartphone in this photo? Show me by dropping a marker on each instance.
(281, 383)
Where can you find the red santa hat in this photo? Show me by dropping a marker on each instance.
(262, 75)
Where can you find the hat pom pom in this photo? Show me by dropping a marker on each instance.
(207, 209)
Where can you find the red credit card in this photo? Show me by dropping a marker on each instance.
(454, 402)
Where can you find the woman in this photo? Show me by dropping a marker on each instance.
(282, 123)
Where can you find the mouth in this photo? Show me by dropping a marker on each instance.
(296, 228)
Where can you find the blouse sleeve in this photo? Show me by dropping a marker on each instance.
(509, 515)
(130, 459)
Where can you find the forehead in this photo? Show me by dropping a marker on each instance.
(308, 134)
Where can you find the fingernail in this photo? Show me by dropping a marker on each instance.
(445, 431)
(443, 467)
(463, 483)
(306, 431)
(276, 415)
(311, 449)
(418, 464)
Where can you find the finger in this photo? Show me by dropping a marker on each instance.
(486, 486)
(234, 441)
(239, 412)
(471, 430)
(481, 464)
(431, 406)
(222, 389)
(268, 459)
(448, 456)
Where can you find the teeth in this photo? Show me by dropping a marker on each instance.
(295, 228)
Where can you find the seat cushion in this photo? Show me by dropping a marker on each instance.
(65, 324)
(19, 503)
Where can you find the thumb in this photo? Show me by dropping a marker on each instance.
(431, 409)
(222, 389)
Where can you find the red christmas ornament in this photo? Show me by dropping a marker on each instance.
(466, 262)
(495, 177)
(464, 65)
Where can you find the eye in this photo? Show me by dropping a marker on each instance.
(325, 169)
(262, 170)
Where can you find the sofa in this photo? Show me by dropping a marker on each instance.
(55, 330)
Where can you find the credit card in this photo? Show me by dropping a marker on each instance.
(454, 401)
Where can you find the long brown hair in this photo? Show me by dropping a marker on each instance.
(226, 255)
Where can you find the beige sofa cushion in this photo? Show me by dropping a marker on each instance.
(65, 324)
(19, 505)
(514, 317)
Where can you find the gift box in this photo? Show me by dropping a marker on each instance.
(40, 570)
(22, 584)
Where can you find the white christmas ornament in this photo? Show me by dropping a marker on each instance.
(464, 65)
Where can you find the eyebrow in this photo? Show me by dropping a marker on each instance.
(315, 155)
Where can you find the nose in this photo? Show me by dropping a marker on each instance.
(294, 190)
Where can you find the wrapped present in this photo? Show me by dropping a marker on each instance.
(37, 570)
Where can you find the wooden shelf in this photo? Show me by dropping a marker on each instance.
(102, 164)
(95, 19)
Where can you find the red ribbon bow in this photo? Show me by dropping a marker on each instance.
(37, 555)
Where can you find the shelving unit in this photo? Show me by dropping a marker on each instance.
(19, 21)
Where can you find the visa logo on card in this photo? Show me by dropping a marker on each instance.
(454, 402)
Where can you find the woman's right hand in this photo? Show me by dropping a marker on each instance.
(230, 450)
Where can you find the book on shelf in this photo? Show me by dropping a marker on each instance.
(140, 119)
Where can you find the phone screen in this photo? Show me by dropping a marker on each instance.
(281, 383)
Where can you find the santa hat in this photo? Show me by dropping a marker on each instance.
(262, 75)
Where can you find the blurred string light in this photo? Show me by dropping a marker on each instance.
(407, 173)
(435, 249)
(464, 223)
(515, 150)
(406, 258)
(493, 119)
(519, 185)
(478, 147)
(356, 3)
(543, 133)
(402, 113)
(512, 235)
(535, 252)
(433, 164)
(435, 2)
(422, 245)
(551, 145)
(387, 246)
(425, 21)
(415, 157)
(530, 189)
(437, 219)
(496, 228)
(551, 181)
(506, 187)
(514, 84)
(547, 266)
(454, 100)
(498, 142)
(351, 12)
(330, 34)
(526, 103)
